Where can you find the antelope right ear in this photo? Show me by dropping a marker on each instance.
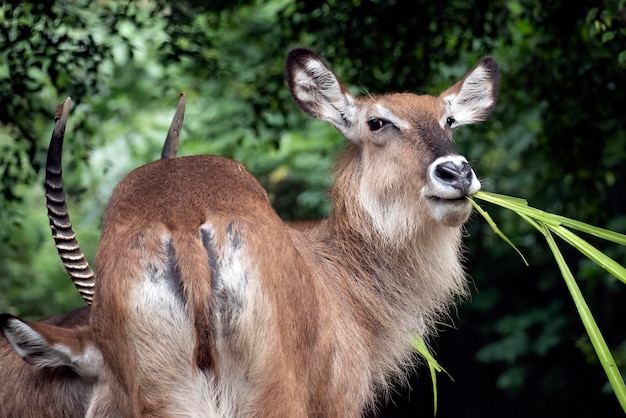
(316, 89)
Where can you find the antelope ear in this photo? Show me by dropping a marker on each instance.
(473, 98)
(30, 344)
(318, 92)
(41, 346)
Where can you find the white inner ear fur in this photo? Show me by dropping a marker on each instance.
(24, 339)
(469, 104)
(318, 87)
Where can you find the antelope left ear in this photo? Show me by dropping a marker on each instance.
(473, 98)
(31, 345)
(34, 343)
(318, 92)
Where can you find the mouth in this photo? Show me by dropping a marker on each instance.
(444, 200)
(447, 200)
(450, 211)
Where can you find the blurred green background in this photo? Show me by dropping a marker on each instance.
(557, 138)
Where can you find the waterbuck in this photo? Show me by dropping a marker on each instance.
(207, 304)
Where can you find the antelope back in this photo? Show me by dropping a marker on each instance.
(209, 305)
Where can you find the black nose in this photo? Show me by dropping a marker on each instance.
(458, 176)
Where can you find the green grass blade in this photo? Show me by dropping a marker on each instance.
(530, 221)
(547, 224)
(521, 206)
(495, 228)
(556, 223)
(590, 251)
(605, 234)
(599, 345)
(420, 346)
(517, 201)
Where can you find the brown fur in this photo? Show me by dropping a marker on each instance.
(208, 305)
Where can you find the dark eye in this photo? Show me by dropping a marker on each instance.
(450, 121)
(375, 124)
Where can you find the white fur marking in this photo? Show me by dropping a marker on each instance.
(444, 119)
(391, 219)
(391, 117)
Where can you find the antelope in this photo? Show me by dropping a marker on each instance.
(207, 304)
(61, 363)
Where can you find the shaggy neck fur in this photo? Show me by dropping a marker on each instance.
(398, 287)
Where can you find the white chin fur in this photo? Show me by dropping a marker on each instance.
(450, 212)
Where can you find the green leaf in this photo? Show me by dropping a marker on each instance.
(608, 36)
(419, 345)
(520, 206)
(591, 252)
(599, 345)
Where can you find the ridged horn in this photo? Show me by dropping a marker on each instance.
(171, 140)
(67, 246)
(74, 260)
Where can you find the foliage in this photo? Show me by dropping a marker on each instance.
(608, 21)
(556, 138)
